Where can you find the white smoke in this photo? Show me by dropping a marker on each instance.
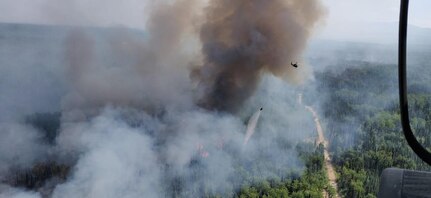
(116, 161)
(10, 192)
(130, 122)
(20, 147)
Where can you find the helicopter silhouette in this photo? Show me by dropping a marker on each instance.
(294, 65)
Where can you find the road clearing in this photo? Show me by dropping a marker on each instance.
(330, 171)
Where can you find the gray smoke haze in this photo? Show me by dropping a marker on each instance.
(137, 114)
(131, 13)
(117, 160)
(135, 70)
(20, 147)
(10, 192)
(243, 39)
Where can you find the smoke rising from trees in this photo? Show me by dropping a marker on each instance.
(139, 107)
(241, 40)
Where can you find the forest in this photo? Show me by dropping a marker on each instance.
(363, 123)
(357, 103)
(360, 114)
(311, 181)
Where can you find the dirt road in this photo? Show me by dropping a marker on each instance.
(322, 140)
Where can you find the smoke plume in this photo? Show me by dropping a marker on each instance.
(243, 39)
(134, 70)
(161, 112)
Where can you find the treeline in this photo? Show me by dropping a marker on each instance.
(312, 183)
(41, 177)
(362, 117)
(250, 178)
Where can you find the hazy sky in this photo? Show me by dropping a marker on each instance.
(344, 18)
(370, 20)
(75, 12)
(346, 11)
(132, 12)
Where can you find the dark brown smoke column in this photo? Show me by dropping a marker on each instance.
(241, 39)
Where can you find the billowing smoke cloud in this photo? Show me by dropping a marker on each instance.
(132, 69)
(132, 122)
(243, 39)
(118, 160)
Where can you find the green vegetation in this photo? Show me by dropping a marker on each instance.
(362, 118)
(288, 182)
(311, 184)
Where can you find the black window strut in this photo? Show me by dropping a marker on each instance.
(402, 77)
